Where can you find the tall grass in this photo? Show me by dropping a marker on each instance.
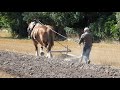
(5, 33)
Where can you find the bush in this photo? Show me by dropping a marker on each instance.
(71, 32)
(104, 28)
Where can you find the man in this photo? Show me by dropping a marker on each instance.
(86, 38)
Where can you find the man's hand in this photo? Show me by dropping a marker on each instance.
(81, 40)
(79, 43)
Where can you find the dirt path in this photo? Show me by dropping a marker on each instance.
(3, 74)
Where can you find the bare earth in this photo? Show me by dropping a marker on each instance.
(23, 63)
(29, 66)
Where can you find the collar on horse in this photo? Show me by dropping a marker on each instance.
(36, 23)
(33, 26)
(30, 31)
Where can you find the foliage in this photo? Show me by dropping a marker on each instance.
(104, 25)
(15, 21)
(59, 20)
(3, 21)
(104, 28)
(71, 32)
(117, 30)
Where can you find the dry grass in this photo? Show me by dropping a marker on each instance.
(5, 33)
(6, 75)
(106, 54)
(102, 53)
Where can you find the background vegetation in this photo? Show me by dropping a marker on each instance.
(104, 25)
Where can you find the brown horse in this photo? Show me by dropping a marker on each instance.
(43, 35)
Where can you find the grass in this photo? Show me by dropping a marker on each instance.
(106, 54)
(5, 33)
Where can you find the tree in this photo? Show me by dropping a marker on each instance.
(117, 30)
(3, 21)
(14, 20)
(17, 24)
(104, 26)
(59, 20)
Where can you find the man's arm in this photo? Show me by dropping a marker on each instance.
(81, 39)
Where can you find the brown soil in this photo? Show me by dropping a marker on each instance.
(29, 66)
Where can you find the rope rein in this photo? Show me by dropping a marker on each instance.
(61, 36)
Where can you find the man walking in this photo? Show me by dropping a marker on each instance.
(86, 38)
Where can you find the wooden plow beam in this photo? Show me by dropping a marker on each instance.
(67, 50)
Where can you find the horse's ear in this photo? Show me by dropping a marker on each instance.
(27, 22)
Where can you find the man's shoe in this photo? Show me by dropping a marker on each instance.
(88, 62)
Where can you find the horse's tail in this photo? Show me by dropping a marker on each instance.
(50, 37)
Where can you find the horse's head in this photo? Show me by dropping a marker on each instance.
(30, 27)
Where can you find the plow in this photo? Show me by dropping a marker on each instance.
(66, 49)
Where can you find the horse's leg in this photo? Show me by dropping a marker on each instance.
(49, 54)
(36, 48)
(41, 51)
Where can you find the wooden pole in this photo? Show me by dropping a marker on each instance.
(67, 49)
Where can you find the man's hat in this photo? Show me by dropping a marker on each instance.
(86, 29)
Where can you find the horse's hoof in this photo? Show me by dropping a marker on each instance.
(48, 56)
(88, 62)
(42, 53)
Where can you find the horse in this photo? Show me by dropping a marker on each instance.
(43, 35)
